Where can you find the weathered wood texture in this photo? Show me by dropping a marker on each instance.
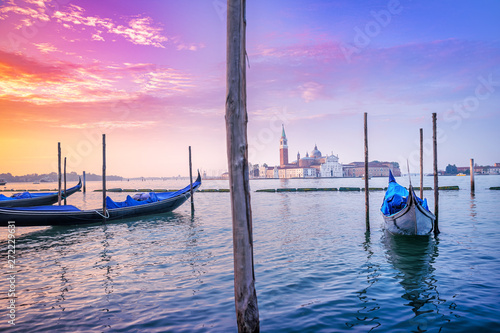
(422, 163)
(59, 173)
(65, 202)
(104, 177)
(367, 175)
(191, 180)
(435, 167)
(472, 185)
(247, 312)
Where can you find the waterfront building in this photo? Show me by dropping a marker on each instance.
(313, 165)
(481, 170)
(375, 169)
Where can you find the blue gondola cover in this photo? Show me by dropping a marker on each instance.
(395, 198)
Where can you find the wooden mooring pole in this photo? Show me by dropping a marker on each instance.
(104, 178)
(422, 163)
(65, 181)
(367, 175)
(84, 183)
(435, 167)
(472, 185)
(59, 173)
(245, 295)
(191, 181)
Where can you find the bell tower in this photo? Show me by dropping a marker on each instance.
(283, 147)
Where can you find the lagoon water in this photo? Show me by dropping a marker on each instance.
(317, 269)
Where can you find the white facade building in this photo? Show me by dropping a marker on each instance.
(298, 173)
(331, 167)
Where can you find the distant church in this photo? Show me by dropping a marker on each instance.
(311, 166)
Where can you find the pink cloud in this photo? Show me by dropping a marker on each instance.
(140, 31)
(46, 47)
(311, 91)
(324, 52)
(40, 83)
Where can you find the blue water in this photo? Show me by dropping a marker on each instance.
(317, 269)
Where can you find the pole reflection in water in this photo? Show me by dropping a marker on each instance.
(105, 263)
(371, 269)
(65, 285)
(196, 257)
(412, 257)
(473, 212)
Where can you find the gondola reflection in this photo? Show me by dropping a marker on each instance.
(412, 257)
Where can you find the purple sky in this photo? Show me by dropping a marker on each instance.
(151, 75)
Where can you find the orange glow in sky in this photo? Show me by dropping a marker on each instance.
(151, 76)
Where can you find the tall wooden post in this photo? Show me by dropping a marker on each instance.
(435, 167)
(247, 311)
(422, 163)
(104, 177)
(59, 173)
(191, 180)
(367, 175)
(472, 185)
(65, 181)
(84, 183)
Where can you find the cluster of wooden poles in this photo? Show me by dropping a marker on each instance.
(247, 313)
(104, 177)
(435, 171)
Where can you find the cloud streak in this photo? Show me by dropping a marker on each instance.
(24, 79)
(137, 30)
(412, 72)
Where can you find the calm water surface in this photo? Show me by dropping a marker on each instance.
(317, 269)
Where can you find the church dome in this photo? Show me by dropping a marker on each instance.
(315, 153)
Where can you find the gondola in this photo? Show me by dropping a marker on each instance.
(147, 203)
(27, 199)
(405, 213)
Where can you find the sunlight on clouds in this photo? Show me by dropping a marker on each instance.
(162, 81)
(39, 3)
(40, 88)
(60, 82)
(46, 47)
(30, 15)
(311, 91)
(139, 30)
(97, 37)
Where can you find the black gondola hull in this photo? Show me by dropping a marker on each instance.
(411, 220)
(45, 200)
(60, 218)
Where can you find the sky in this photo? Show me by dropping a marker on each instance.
(151, 76)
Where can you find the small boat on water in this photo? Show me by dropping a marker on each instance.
(27, 199)
(3, 182)
(142, 204)
(405, 213)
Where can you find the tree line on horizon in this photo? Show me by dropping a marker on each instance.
(52, 177)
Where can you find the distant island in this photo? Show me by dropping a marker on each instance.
(317, 165)
(453, 170)
(52, 177)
